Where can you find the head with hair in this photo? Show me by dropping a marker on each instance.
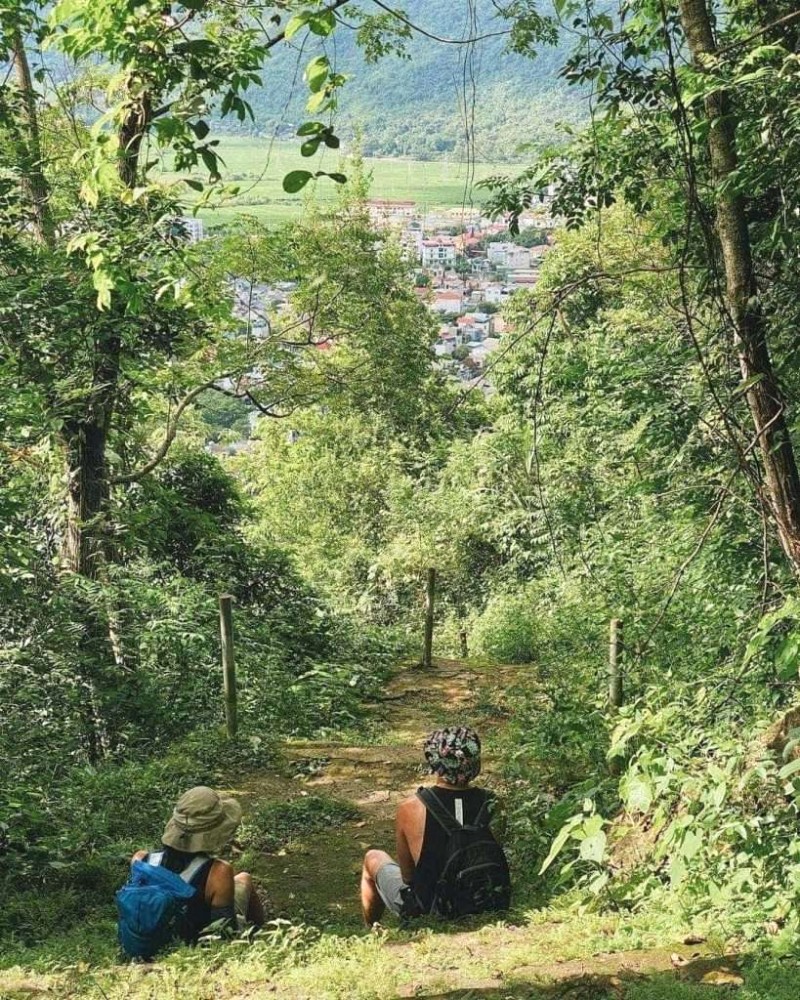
(454, 754)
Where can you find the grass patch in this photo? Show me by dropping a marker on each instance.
(70, 843)
(258, 167)
(497, 961)
(273, 825)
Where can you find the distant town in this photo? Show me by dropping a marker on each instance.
(465, 265)
(468, 266)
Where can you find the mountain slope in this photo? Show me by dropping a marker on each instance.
(444, 98)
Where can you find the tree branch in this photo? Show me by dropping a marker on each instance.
(169, 437)
(398, 15)
(781, 22)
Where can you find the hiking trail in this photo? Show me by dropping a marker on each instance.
(315, 878)
(319, 950)
(318, 876)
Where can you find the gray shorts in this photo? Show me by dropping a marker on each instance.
(398, 896)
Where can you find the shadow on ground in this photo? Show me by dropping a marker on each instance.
(706, 977)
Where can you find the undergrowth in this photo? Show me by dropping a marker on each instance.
(67, 844)
(272, 825)
(524, 960)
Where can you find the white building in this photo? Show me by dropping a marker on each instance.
(193, 227)
(447, 301)
(496, 294)
(509, 255)
(444, 348)
(411, 240)
(439, 251)
(385, 213)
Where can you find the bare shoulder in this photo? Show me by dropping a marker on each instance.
(410, 808)
(220, 873)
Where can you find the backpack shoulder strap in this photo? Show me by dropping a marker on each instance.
(193, 869)
(438, 811)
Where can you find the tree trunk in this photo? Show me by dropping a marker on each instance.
(764, 396)
(88, 547)
(131, 134)
(32, 176)
(87, 494)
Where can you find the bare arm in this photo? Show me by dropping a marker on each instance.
(220, 890)
(408, 837)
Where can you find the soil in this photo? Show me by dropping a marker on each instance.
(317, 877)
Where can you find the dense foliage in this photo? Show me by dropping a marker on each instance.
(635, 459)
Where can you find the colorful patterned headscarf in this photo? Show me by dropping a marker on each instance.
(454, 754)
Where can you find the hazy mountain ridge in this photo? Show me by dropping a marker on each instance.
(428, 104)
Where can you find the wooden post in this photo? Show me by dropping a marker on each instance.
(228, 664)
(462, 638)
(615, 649)
(430, 603)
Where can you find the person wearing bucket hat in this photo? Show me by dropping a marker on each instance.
(433, 827)
(202, 823)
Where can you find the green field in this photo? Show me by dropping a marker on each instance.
(258, 168)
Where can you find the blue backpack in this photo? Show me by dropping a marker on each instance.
(151, 904)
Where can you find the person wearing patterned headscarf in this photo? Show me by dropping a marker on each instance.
(407, 887)
(454, 755)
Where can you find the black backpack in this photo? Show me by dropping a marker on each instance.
(475, 876)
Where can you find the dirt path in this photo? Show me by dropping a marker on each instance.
(536, 955)
(316, 877)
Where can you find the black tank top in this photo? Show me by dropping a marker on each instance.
(431, 858)
(198, 911)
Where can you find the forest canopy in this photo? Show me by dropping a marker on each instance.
(628, 456)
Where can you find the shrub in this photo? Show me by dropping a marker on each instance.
(507, 630)
(67, 844)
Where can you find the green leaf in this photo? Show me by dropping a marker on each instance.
(677, 870)
(317, 73)
(297, 23)
(317, 102)
(690, 845)
(789, 769)
(638, 795)
(787, 656)
(594, 847)
(557, 846)
(310, 128)
(201, 129)
(598, 883)
(592, 825)
(309, 147)
(296, 181)
(322, 24)
(211, 161)
(104, 284)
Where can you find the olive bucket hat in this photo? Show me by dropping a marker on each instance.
(202, 821)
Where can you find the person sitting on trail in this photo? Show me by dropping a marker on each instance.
(181, 888)
(449, 863)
